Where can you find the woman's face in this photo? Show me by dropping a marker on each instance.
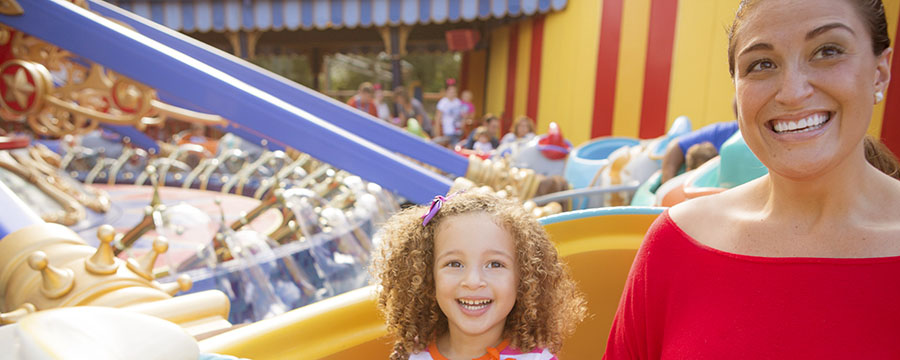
(805, 84)
(522, 129)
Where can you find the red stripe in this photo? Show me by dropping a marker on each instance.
(512, 60)
(890, 129)
(534, 72)
(658, 68)
(607, 68)
(464, 72)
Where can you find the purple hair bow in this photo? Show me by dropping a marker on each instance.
(433, 210)
(436, 205)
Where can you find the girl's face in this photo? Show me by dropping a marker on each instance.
(474, 274)
(451, 92)
(805, 84)
(484, 139)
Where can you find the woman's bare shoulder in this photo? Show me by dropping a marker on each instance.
(708, 217)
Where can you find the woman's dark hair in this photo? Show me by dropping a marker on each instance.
(871, 11)
(881, 157)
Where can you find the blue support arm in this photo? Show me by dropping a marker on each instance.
(379, 132)
(156, 65)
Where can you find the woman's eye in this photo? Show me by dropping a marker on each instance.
(760, 65)
(828, 51)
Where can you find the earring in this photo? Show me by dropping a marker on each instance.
(879, 96)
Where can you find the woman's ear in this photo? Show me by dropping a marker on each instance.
(883, 70)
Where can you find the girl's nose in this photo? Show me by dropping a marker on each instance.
(794, 87)
(473, 279)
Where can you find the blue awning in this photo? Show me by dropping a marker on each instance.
(247, 15)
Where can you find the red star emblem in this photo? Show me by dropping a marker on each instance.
(23, 86)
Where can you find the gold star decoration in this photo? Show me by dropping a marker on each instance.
(18, 88)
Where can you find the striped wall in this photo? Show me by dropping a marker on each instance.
(629, 67)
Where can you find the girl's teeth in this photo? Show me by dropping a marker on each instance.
(474, 304)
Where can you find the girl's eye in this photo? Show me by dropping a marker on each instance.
(760, 65)
(828, 51)
(454, 263)
(495, 264)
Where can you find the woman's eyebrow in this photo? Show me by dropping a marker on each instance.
(810, 35)
(756, 47)
(825, 28)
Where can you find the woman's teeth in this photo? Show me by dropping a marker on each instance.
(808, 123)
(474, 304)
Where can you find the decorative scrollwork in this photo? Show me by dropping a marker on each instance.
(85, 95)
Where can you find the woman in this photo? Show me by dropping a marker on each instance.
(522, 129)
(803, 262)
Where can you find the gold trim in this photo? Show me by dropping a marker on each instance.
(85, 194)
(10, 7)
(88, 95)
(182, 114)
(72, 211)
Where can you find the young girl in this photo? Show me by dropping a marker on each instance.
(482, 140)
(473, 276)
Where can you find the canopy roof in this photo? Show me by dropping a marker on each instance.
(247, 15)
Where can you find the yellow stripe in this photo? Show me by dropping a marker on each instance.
(496, 82)
(523, 63)
(701, 87)
(569, 69)
(476, 80)
(632, 59)
(891, 9)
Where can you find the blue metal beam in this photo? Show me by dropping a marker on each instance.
(156, 65)
(266, 142)
(379, 132)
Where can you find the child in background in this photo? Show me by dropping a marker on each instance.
(482, 140)
(473, 276)
(698, 154)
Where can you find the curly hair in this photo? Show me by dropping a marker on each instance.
(548, 303)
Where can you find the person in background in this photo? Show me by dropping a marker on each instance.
(381, 106)
(482, 140)
(448, 117)
(363, 100)
(698, 154)
(492, 126)
(469, 121)
(407, 107)
(522, 129)
(715, 134)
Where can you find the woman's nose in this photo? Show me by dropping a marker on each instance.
(794, 87)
